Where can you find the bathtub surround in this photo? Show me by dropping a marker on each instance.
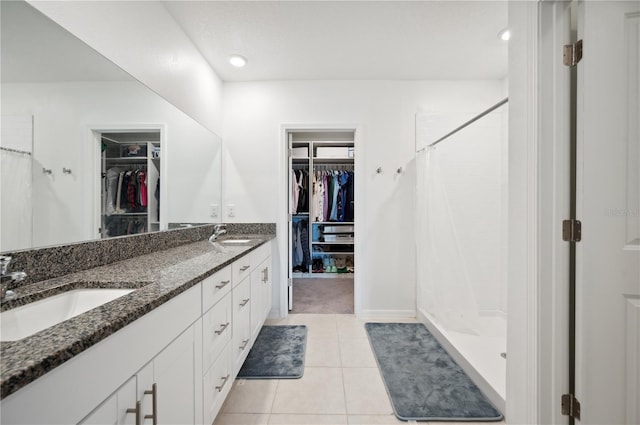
(422, 380)
(278, 353)
(158, 265)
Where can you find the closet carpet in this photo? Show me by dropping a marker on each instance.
(323, 296)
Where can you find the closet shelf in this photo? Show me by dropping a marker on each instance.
(131, 214)
(137, 159)
(334, 222)
(333, 243)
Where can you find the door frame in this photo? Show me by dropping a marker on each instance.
(94, 167)
(282, 227)
(538, 306)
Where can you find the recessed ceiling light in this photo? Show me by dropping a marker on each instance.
(237, 61)
(505, 34)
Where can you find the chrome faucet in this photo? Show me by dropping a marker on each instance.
(8, 279)
(218, 230)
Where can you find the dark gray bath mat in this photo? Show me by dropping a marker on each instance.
(423, 382)
(278, 353)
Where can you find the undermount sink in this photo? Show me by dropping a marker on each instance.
(235, 241)
(20, 322)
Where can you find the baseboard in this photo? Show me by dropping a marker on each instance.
(387, 314)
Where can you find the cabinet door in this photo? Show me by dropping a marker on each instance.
(241, 320)
(113, 411)
(217, 383)
(217, 330)
(174, 376)
(266, 298)
(256, 301)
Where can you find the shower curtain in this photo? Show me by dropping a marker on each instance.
(16, 183)
(444, 288)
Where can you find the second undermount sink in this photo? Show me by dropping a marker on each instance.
(235, 241)
(28, 319)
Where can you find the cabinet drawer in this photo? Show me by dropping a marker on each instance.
(217, 384)
(215, 287)
(241, 268)
(216, 331)
(242, 304)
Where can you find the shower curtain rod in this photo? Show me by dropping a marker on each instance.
(471, 121)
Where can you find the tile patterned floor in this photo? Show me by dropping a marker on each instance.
(341, 383)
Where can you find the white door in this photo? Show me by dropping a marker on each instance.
(608, 189)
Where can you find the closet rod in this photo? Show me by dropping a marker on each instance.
(15, 151)
(471, 121)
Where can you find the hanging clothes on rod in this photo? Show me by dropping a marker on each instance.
(126, 190)
(299, 191)
(333, 189)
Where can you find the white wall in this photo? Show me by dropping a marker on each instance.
(143, 39)
(255, 167)
(64, 112)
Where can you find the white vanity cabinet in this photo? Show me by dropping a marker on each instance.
(242, 304)
(162, 392)
(177, 362)
(116, 409)
(260, 296)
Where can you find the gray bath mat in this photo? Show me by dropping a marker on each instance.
(278, 353)
(423, 382)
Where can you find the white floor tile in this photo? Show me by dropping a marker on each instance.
(375, 420)
(277, 419)
(356, 353)
(319, 391)
(318, 325)
(365, 392)
(350, 327)
(322, 352)
(251, 396)
(241, 419)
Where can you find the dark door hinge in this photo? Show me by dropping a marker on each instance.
(570, 406)
(571, 230)
(572, 53)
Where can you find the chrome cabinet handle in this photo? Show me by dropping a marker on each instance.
(244, 268)
(154, 404)
(244, 302)
(222, 328)
(222, 284)
(137, 411)
(244, 344)
(222, 384)
(265, 275)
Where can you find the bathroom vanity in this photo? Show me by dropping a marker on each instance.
(166, 352)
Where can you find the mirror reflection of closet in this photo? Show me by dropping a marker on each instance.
(130, 174)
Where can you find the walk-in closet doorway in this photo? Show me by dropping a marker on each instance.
(128, 169)
(321, 210)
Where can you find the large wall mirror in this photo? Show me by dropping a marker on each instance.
(70, 119)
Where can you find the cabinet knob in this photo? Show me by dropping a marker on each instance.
(244, 344)
(137, 411)
(222, 284)
(222, 384)
(222, 328)
(154, 403)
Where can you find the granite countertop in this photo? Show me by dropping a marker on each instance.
(155, 278)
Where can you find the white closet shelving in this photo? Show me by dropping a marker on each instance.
(322, 243)
(130, 183)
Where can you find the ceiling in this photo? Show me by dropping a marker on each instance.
(301, 40)
(36, 49)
